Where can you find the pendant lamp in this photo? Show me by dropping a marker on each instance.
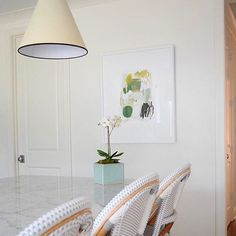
(52, 33)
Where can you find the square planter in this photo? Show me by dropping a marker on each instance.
(109, 173)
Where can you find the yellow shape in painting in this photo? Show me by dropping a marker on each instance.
(142, 74)
(129, 78)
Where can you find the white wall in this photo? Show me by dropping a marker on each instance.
(195, 27)
(190, 26)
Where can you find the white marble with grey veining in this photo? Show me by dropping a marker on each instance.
(24, 199)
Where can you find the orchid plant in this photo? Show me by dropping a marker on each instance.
(109, 124)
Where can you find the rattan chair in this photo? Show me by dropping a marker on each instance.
(128, 212)
(164, 213)
(73, 218)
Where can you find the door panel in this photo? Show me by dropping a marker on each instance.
(43, 111)
(42, 101)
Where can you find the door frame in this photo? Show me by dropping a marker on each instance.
(231, 149)
(15, 106)
(230, 31)
(11, 32)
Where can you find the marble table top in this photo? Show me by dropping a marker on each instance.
(24, 199)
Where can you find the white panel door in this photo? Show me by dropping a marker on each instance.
(43, 111)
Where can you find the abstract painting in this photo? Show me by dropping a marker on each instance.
(139, 86)
(136, 100)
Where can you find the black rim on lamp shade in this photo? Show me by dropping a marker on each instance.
(22, 50)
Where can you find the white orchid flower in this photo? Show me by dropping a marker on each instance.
(105, 122)
(117, 121)
(111, 122)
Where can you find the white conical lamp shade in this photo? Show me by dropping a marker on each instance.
(52, 33)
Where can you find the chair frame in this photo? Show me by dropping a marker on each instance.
(60, 216)
(169, 181)
(102, 229)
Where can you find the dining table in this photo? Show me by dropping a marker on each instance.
(23, 199)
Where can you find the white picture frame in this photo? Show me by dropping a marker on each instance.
(139, 85)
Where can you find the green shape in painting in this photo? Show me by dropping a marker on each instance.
(127, 111)
(129, 88)
(136, 85)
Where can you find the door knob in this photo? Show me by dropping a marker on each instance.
(21, 159)
(227, 156)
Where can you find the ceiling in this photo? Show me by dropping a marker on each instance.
(15, 5)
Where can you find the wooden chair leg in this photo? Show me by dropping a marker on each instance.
(166, 229)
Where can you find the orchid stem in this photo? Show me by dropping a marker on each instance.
(108, 142)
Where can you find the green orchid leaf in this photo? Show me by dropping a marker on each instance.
(114, 154)
(119, 154)
(102, 153)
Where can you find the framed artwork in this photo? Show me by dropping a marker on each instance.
(139, 86)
